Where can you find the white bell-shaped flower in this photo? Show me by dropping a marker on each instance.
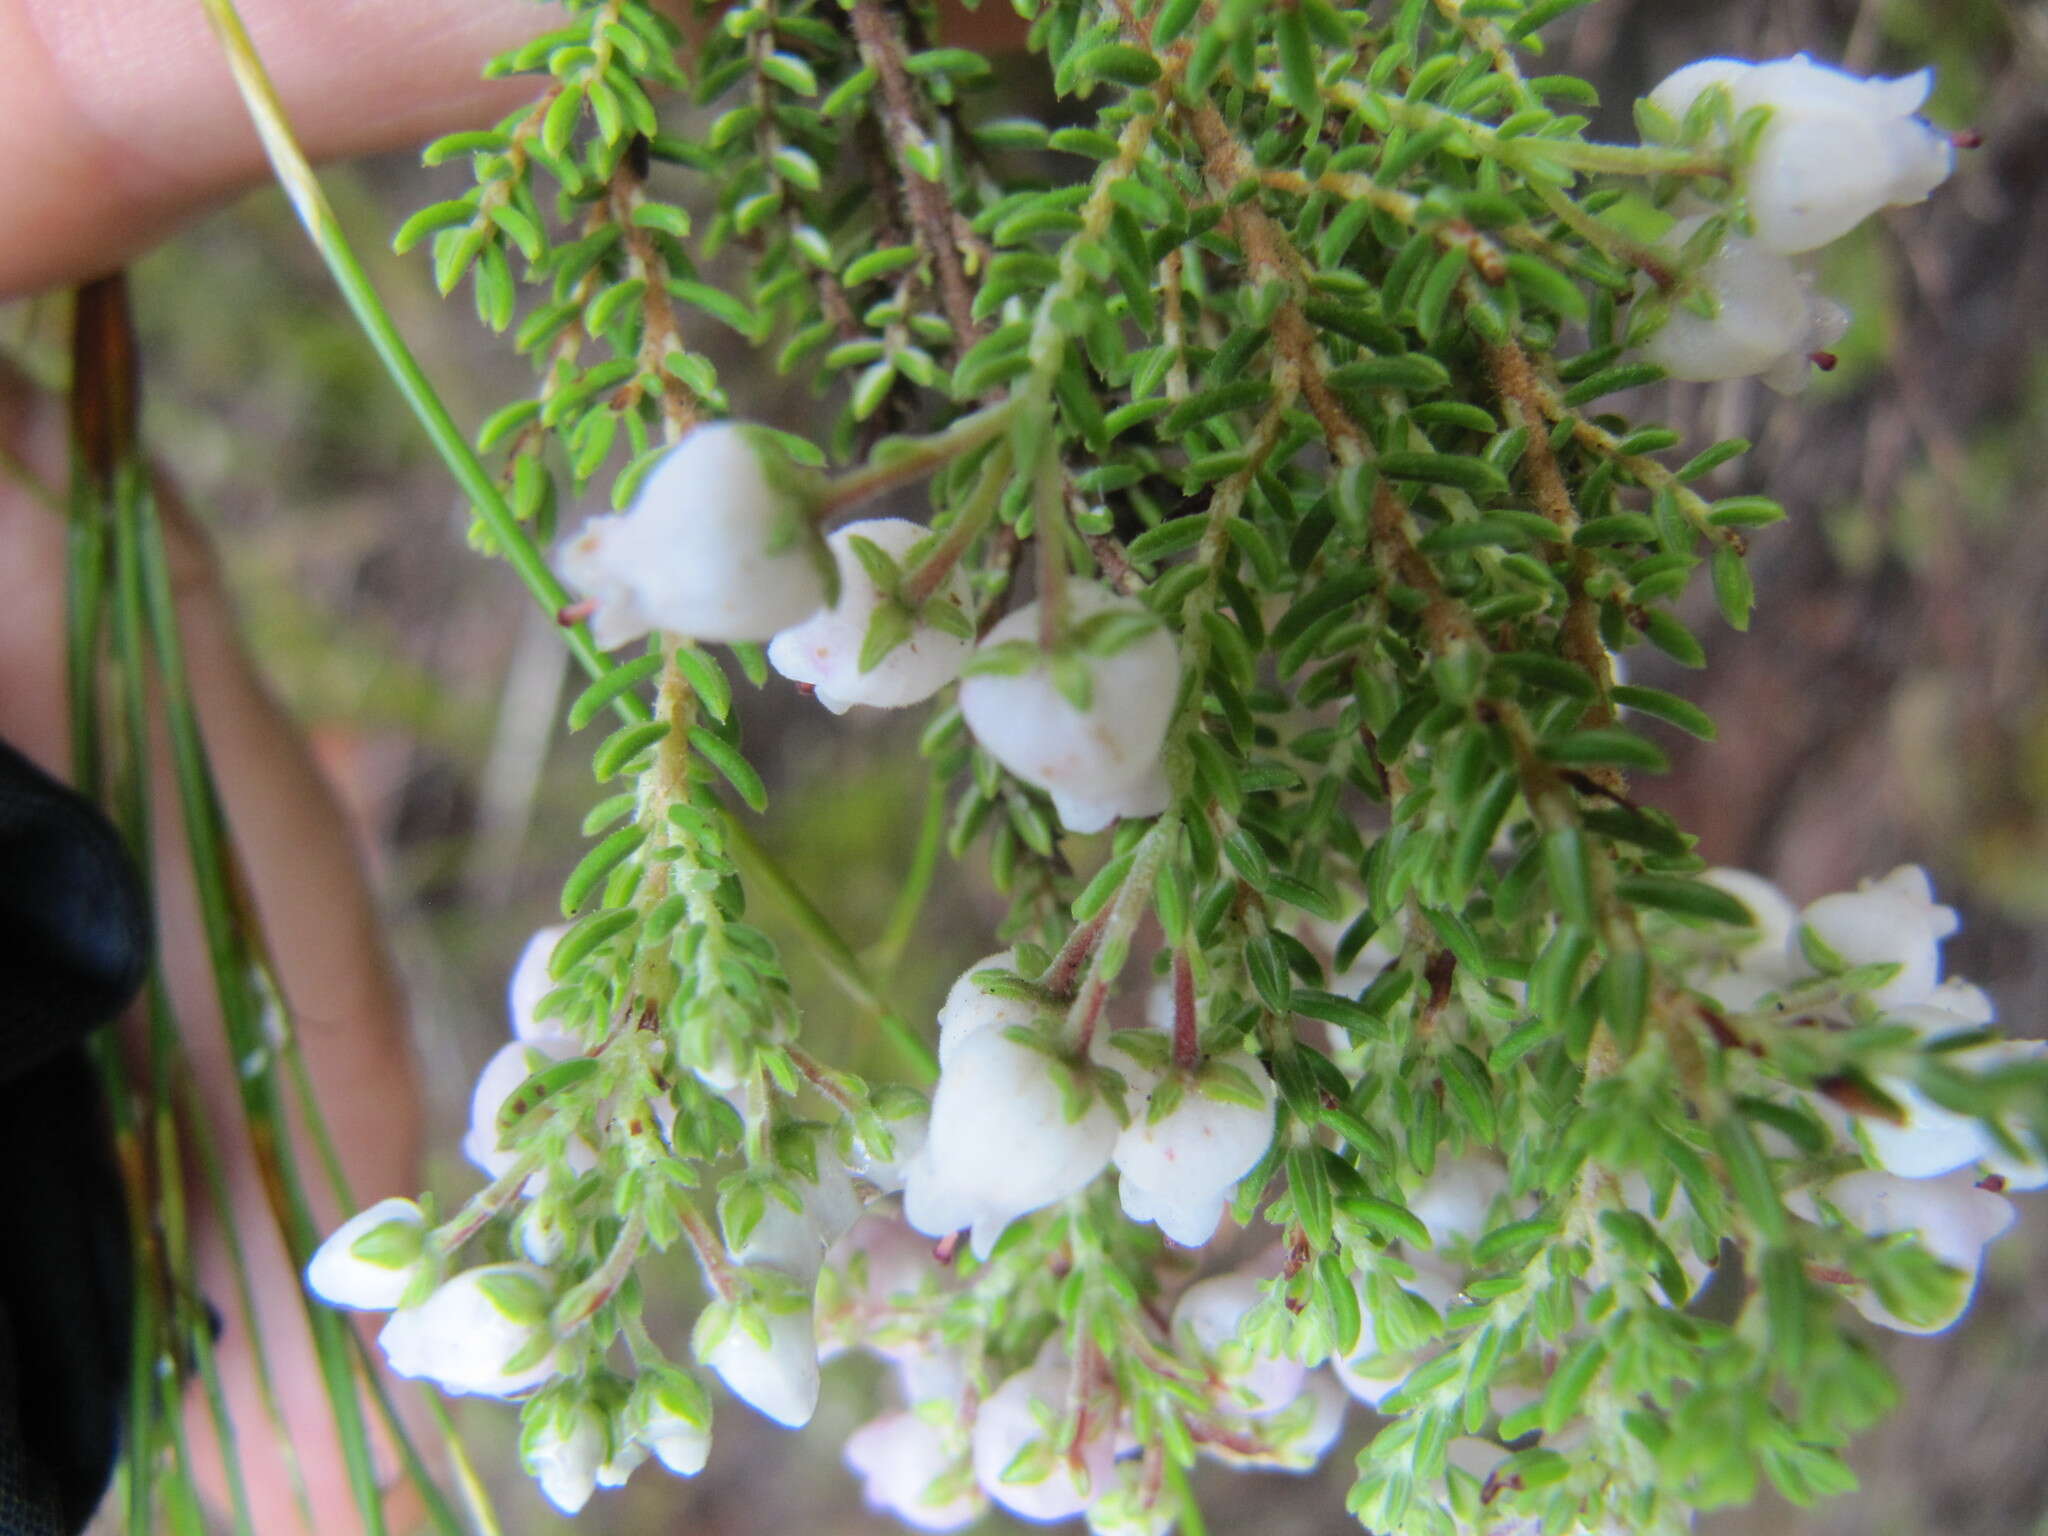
(541, 1230)
(886, 1173)
(512, 1064)
(1456, 1201)
(1935, 1140)
(1892, 921)
(1102, 760)
(1836, 149)
(1767, 319)
(1931, 1140)
(899, 1456)
(1181, 1170)
(1964, 1001)
(1294, 1438)
(484, 1331)
(1952, 1219)
(779, 1376)
(795, 1242)
(1092, 811)
(927, 1372)
(1187, 1217)
(369, 1260)
(1010, 1419)
(883, 1260)
(562, 1450)
(2026, 1169)
(824, 650)
(717, 545)
(1772, 909)
(1372, 1374)
(1001, 1143)
(671, 1416)
(970, 1007)
(1677, 92)
(531, 982)
(1130, 1508)
(626, 1458)
(1210, 1314)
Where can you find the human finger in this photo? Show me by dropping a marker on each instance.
(123, 118)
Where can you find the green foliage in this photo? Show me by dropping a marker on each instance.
(1303, 328)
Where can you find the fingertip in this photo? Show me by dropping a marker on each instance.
(125, 119)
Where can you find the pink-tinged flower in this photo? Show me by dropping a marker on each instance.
(1098, 759)
(1064, 1478)
(913, 1470)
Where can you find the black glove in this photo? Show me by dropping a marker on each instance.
(74, 947)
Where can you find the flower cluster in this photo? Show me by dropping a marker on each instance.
(1019, 1124)
(1874, 955)
(1832, 150)
(1388, 1048)
(1084, 720)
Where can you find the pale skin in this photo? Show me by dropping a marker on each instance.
(124, 123)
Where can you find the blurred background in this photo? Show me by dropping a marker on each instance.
(1889, 704)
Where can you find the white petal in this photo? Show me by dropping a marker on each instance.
(531, 982)
(341, 1278)
(781, 1380)
(825, 649)
(1094, 756)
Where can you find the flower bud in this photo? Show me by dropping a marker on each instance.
(910, 1469)
(1209, 1315)
(1294, 1438)
(970, 1007)
(542, 1232)
(766, 1352)
(1456, 1201)
(1375, 1368)
(1001, 1142)
(718, 545)
(512, 1065)
(1774, 915)
(1063, 1479)
(670, 1414)
(370, 1259)
(1893, 921)
(1767, 319)
(1130, 1508)
(1835, 150)
(795, 1241)
(1102, 759)
(1954, 1221)
(485, 1331)
(825, 649)
(531, 982)
(886, 1173)
(562, 1446)
(1180, 1167)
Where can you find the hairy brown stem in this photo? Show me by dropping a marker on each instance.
(1514, 381)
(881, 49)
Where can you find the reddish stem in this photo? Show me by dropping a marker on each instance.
(1067, 965)
(1098, 993)
(1187, 1049)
